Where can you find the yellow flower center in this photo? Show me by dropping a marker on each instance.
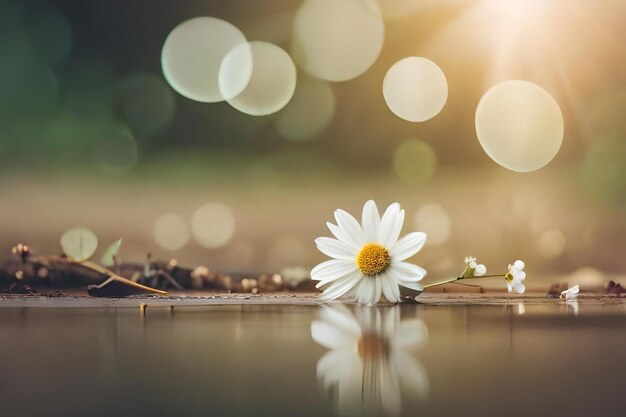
(373, 259)
(509, 277)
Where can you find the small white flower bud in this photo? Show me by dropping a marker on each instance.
(480, 270)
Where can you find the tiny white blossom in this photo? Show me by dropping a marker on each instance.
(480, 270)
(515, 277)
(473, 269)
(570, 293)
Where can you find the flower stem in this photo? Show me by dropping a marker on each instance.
(458, 278)
(442, 282)
(487, 276)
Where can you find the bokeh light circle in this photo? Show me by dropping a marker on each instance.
(171, 232)
(273, 79)
(433, 220)
(605, 118)
(29, 88)
(296, 121)
(551, 243)
(337, 40)
(147, 104)
(519, 125)
(397, 9)
(414, 161)
(239, 255)
(603, 172)
(287, 251)
(213, 225)
(415, 89)
(192, 55)
(51, 36)
(115, 151)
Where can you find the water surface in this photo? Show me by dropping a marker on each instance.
(533, 360)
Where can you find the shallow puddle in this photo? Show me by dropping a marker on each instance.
(533, 360)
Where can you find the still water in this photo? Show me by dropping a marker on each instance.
(533, 360)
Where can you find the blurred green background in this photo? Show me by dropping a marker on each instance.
(91, 134)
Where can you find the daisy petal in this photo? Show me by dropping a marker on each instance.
(416, 286)
(351, 293)
(377, 292)
(404, 271)
(335, 248)
(365, 290)
(410, 335)
(329, 336)
(370, 221)
(341, 286)
(335, 268)
(386, 221)
(350, 227)
(390, 289)
(519, 264)
(570, 292)
(519, 288)
(412, 374)
(341, 236)
(340, 317)
(408, 246)
(391, 225)
(327, 367)
(337, 277)
(337, 365)
(327, 281)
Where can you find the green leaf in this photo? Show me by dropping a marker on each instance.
(107, 258)
(79, 243)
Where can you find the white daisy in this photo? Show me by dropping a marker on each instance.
(515, 276)
(368, 257)
(369, 364)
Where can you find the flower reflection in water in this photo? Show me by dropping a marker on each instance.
(369, 361)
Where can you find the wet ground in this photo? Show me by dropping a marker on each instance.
(524, 358)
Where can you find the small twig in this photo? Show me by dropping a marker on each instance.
(104, 271)
(171, 279)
